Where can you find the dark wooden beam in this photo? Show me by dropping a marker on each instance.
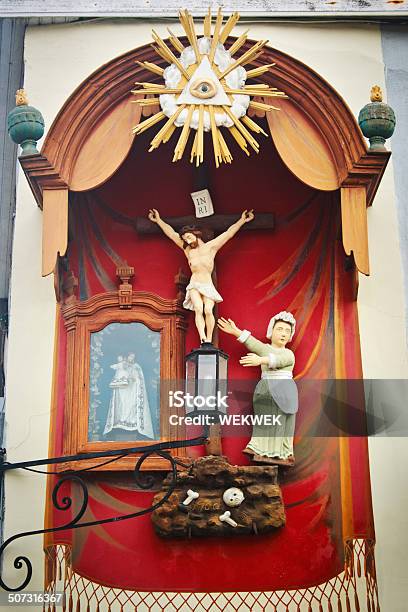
(217, 223)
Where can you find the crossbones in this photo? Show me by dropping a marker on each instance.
(191, 495)
(226, 518)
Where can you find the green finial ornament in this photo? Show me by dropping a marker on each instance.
(25, 124)
(377, 120)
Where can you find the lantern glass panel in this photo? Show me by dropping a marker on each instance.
(222, 374)
(207, 375)
(191, 375)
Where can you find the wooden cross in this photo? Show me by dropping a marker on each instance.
(214, 225)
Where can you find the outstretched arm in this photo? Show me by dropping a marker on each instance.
(228, 326)
(223, 238)
(260, 351)
(272, 360)
(155, 217)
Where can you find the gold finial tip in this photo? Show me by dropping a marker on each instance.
(21, 97)
(376, 94)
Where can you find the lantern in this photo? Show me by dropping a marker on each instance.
(206, 379)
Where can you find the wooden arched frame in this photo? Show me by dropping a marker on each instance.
(84, 318)
(314, 124)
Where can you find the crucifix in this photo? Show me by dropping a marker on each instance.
(201, 294)
(200, 242)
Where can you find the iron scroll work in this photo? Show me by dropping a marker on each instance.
(144, 482)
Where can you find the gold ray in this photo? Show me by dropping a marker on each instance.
(157, 91)
(151, 67)
(188, 24)
(245, 58)
(149, 105)
(214, 136)
(207, 24)
(174, 60)
(155, 87)
(201, 133)
(163, 134)
(185, 132)
(254, 54)
(256, 113)
(253, 126)
(254, 92)
(148, 101)
(194, 37)
(162, 54)
(253, 58)
(177, 44)
(230, 24)
(238, 43)
(215, 38)
(242, 128)
(194, 150)
(239, 138)
(262, 106)
(183, 20)
(225, 152)
(148, 111)
(265, 92)
(255, 72)
(149, 85)
(161, 44)
(169, 133)
(250, 139)
(260, 86)
(141, 127)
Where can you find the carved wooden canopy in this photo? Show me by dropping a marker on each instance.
(315, 134)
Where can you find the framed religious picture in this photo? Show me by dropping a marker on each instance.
(122, 355)
(124, 383)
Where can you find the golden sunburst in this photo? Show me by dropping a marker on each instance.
(205, 89)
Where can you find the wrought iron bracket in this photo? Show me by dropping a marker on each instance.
(144, 481)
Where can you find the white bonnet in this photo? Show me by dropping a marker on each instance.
(282, 316)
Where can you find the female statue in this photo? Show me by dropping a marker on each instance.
(129, 405)
(276, 392)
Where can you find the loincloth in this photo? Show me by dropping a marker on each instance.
(205, 289)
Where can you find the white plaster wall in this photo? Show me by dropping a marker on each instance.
(29, 369)
(57, 59)
(381, 308)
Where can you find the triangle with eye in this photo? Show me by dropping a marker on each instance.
(202, 81)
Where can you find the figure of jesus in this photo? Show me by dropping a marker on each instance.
(201, 295)
(129, 404)
(120, 378)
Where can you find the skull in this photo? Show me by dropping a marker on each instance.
(233, 497)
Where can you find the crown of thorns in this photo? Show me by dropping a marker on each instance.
(190, 229)
(201, 232)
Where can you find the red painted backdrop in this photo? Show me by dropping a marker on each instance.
(295, 267)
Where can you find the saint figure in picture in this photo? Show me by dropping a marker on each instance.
(129, 404)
